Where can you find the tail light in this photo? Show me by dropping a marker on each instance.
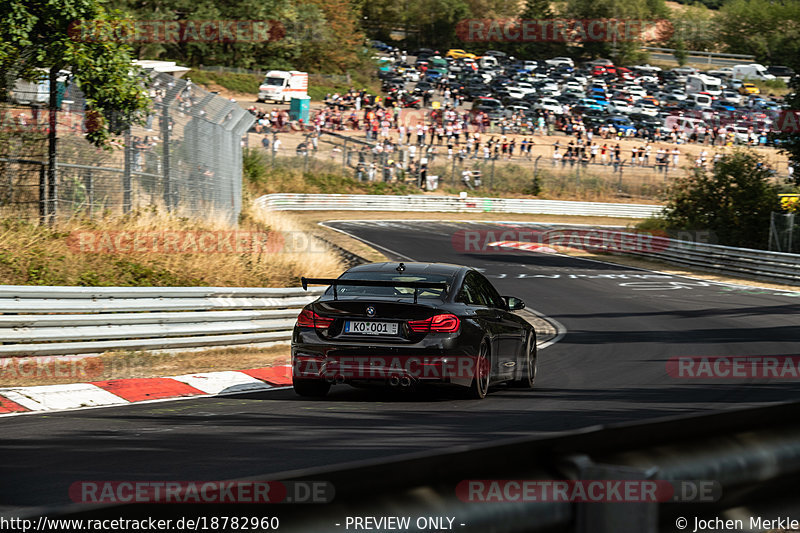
(310, 319)
(440, 323)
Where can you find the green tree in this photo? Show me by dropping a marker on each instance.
(694, 28)
(734, 200)
(37, 36)
(768, 30)
(317, 35)
(680, 54)
(624, 52)
(540, 10)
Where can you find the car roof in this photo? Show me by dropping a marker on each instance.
(444, 269)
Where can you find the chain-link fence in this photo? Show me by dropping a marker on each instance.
(430, 166)
(784, 233)
(187, 158)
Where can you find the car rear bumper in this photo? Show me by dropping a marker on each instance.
(440, 362)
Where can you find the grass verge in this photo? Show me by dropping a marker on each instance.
(16, 372)
(99, 252)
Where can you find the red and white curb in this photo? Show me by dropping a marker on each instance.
(527, 246)
(19, 400)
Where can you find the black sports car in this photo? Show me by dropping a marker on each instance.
(408, 324)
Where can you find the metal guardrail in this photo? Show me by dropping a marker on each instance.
(701, 54)
(37, 321)
(751, 455)
(743, 262)
(757, 264)
(450, 204)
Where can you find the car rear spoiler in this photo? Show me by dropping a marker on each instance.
(416, 285)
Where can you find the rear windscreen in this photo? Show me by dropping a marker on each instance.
(391, 291)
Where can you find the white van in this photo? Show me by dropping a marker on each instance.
(701, 83)
(38, 91)
(753, 71)
(281, 86)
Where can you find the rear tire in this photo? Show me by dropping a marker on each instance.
(483, 370)
(311, 388)
(527, 381)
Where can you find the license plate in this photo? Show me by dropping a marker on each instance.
(370, 328)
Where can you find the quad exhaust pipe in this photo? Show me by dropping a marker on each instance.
(396, 381)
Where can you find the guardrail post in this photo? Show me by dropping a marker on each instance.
(42, 194)
(52, 158)
(126, 174)
(608, 517)
(165, 159)
(89, 184)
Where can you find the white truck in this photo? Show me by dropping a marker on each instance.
(752, 71)
(701, 83)
(37, 91)
(282, 85)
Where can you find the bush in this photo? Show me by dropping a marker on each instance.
(734, 201)
(254, 165)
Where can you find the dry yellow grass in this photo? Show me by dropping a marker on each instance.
(104, 252)
(16, 372)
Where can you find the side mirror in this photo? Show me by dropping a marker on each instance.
(514, 304)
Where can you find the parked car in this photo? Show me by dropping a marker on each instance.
(749, 88)
(458, 53)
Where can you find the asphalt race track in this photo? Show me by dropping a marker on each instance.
(622, 324)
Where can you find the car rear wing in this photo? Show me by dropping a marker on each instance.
(416, 285)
